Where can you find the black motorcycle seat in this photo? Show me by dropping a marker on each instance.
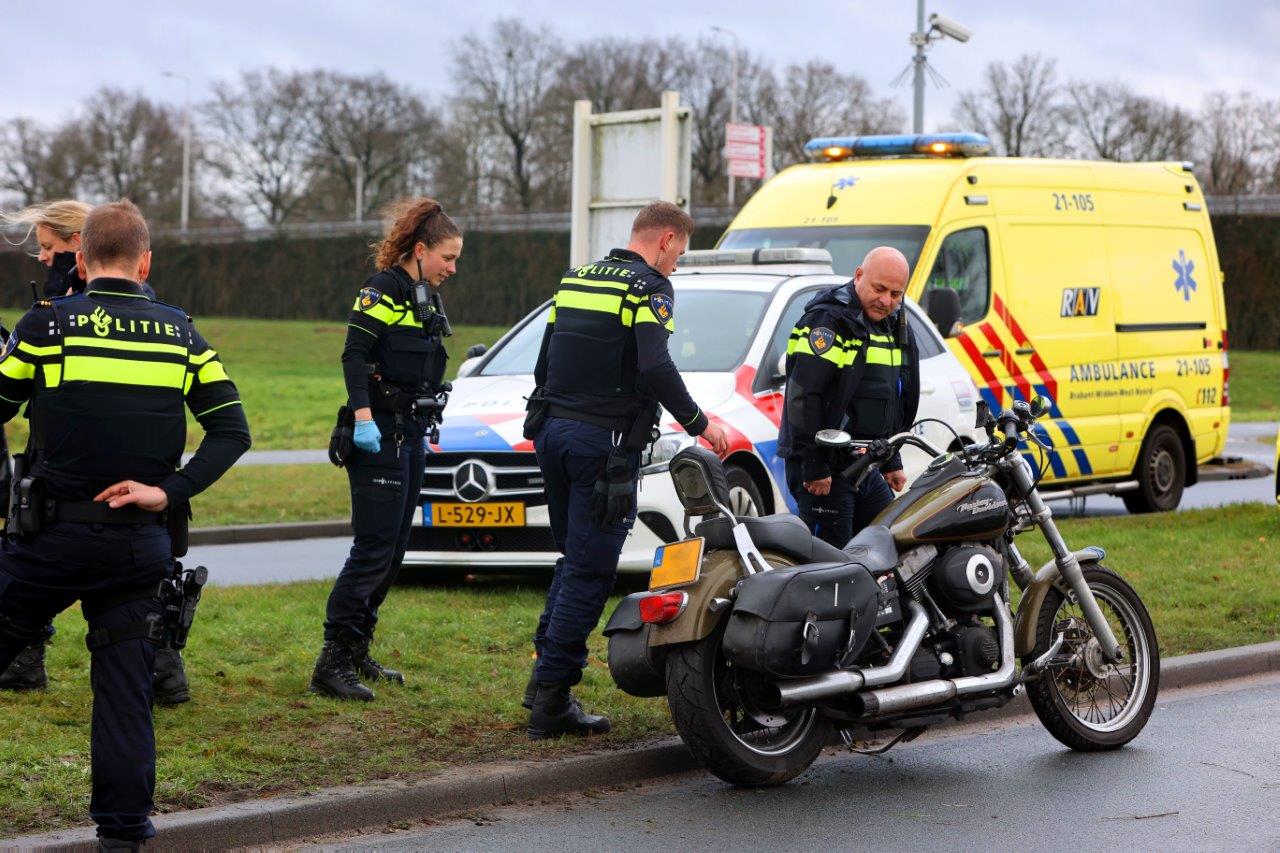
(784, 533)
(874, 548)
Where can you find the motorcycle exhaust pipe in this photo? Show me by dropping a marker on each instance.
(806, 690)
(906, 697)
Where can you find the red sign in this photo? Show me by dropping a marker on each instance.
(745, 150)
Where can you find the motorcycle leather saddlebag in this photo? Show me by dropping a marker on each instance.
(803, 621)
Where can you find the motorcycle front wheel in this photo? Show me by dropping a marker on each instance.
(718, 713)
(1085, 702)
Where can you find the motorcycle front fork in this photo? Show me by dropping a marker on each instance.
(1065, 563)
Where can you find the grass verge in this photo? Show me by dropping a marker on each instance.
(261, 494)
(1255, 376)
(289, 375)
(1209, 578)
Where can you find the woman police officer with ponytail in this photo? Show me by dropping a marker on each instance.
(393, 356)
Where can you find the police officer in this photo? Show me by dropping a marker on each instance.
(601, 374)
(107, 373)
(56, 226)
(851, 365)
(393, 356)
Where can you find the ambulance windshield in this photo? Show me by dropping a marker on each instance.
(848, 244)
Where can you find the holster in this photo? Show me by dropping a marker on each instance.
(342, 439)
(535, 412)
(178, 520)
(26, 500)
(644, 429)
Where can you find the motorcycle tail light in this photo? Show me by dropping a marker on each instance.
(662, 607)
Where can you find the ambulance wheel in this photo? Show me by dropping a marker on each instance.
(744, 497)
(1161, 473)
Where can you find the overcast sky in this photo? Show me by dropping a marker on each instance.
(1175, 49)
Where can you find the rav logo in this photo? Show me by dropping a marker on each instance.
(1080, 301)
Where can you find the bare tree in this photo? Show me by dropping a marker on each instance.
(1232, 133)
(259, 148)
(815, 99)
(1112, 122)
(37, 164)
(1018, 107)
(135, 152)
(367, 120)
(506, 79)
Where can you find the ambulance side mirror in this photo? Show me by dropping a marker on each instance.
(943, 307)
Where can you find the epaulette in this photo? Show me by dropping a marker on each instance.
(172, 308)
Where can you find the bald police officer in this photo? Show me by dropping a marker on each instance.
(851, 365)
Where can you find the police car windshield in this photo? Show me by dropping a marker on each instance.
(848, 244)
(713, 330)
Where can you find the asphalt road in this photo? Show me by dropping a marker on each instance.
(1204, 775)
(310, 559)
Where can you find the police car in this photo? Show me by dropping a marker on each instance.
(483, 504)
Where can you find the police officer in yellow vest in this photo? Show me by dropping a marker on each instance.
(394, 359)
(108, 373)
(851, 364)
(602, 374)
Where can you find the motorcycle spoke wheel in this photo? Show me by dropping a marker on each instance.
(1084, 701)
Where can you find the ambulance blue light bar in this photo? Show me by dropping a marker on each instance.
(832, 148)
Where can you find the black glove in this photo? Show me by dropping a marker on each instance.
(615, 492)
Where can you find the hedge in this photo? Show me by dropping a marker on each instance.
(504, 274)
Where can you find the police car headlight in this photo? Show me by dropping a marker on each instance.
(659, 455)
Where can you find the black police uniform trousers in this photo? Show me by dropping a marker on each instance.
(385, 489)
(842, 513)
(45, 573)
(570, 454)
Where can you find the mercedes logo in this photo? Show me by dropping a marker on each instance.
(472, 482)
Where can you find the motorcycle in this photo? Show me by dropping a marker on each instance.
(765, 639)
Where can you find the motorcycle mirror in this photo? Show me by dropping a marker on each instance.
(832, 437)
(982, 415)
(1039, 405)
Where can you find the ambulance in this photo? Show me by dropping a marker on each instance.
(1095, 284)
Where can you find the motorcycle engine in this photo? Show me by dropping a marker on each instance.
(966, 576)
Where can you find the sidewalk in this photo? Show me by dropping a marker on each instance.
(281, 820)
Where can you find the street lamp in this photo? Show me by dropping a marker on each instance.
(186, 144)
(359, 185)
(733, 95)
(921, 39)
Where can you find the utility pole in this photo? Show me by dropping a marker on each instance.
(359, 185)
(920, 38)
(186, 146)
(733, 98)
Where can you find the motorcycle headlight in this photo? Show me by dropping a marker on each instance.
(658, 457)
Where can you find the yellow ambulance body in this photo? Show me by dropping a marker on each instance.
(1095, 284)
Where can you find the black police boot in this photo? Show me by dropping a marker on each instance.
(557, 712)
(531, 689)
(169, 680)
(369, 668)
(118, 844)
(335, 674)
(27, 670)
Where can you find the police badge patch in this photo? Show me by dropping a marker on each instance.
(821, 339)
(663, 308)
(369, 297)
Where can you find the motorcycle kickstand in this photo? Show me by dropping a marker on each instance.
(904, 736)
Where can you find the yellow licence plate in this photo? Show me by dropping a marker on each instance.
(676, 564)
(474, 515)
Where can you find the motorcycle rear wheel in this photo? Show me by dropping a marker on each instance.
(1084, 702)
(716, 713)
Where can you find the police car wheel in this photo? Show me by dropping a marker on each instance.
(1160, 472)
(744, 497)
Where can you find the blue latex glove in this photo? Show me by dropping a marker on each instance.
(368, 437)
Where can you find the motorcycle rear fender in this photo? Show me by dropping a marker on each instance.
(1026, 623)
(720, 571)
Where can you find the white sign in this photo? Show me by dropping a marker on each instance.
(747, 150)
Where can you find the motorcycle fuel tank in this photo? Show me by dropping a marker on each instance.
(961, 508)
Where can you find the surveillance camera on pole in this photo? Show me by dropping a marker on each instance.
(940, 27)
(949, 28)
